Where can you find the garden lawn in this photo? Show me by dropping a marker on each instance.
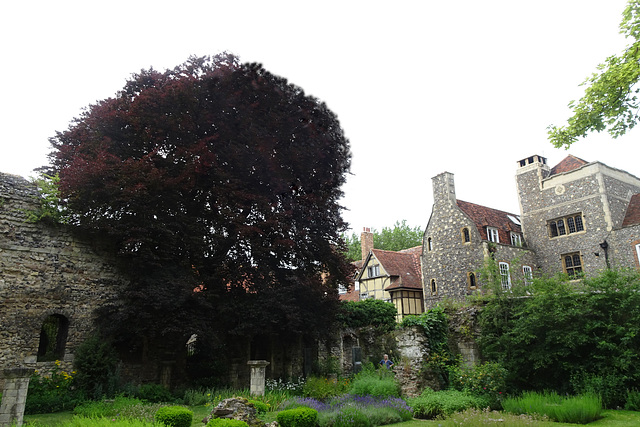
(612, 418)
(59, 418)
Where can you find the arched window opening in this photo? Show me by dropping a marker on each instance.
(53, 338)
(472, 281)
(465, 235)
(429, 244)
(434, 288)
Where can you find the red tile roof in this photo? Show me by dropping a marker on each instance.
(483, 216)
(632, 216)
(352, 294)
(403, 267)
(567, 165)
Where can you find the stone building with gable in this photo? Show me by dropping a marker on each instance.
(579, 217)
(458, 238)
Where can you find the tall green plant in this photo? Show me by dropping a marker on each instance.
(568, 336)
(96, 365)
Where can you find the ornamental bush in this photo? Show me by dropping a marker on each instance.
(174, 416)
(486, 380)
(51, 392)
(261, 407)
(431, 404)
(298, 417)
(324, 388)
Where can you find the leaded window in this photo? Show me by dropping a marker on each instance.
(572, 264)
(566, 225)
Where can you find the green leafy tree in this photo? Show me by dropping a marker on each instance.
(400, 236)
(611, 100)
(51, 208)
(217, 176)
(567, 336)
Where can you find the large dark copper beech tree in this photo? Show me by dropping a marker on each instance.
(217, 176)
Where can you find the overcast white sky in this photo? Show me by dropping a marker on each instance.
(420, 87)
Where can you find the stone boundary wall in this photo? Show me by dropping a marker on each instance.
(45, 269)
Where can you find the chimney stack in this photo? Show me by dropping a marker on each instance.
(366, 242)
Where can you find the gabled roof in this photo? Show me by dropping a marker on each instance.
(483, 217)
(568, 164)
(632, 217)
(403, 267)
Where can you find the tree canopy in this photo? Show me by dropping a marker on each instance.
(610, 101)
(400, 236)
(214, 175)
(567, 336)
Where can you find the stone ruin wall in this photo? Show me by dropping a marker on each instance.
(45, 269)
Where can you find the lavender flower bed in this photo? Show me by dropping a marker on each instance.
(375, 410)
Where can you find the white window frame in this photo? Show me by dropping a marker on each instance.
(373, 270)
(638, 252)
(493, 235)
(505, 277)
(516, 239)
(527, 273)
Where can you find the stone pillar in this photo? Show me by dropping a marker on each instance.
(258, 368)
(14, 396)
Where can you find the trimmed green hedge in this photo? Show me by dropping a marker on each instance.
(174, 416)
(298, 417)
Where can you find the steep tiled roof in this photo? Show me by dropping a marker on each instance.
(632, 216)
(403, 267)
(352, 294)
(568, 164)
(483, 216)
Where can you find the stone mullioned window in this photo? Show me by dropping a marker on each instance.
(565, 225)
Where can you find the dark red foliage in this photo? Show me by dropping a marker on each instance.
(221, 170)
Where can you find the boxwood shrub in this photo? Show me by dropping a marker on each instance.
(298, 417)
(174, 416)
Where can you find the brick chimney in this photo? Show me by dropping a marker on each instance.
(366, 242)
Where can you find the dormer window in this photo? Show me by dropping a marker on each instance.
(516, 239)
(492, 235)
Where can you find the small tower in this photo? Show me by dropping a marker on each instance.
(529, 176)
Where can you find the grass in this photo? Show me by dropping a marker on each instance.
(582, 409)
(610, 418)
